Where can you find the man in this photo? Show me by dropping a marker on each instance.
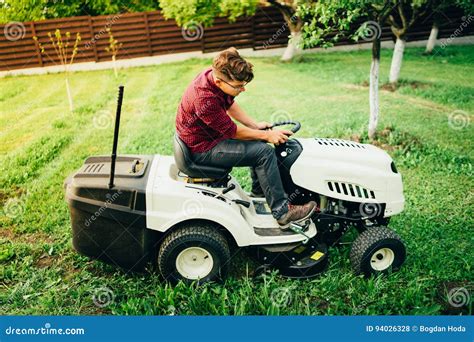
(204, 124)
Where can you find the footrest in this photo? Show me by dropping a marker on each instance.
(300, 228)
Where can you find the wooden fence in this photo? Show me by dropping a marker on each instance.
(149, 34)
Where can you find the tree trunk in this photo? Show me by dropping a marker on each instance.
(432, 39)
(293, 47)
(374, 88)
(69, 97)
(397, 59)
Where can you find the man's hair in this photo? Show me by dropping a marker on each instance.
(229, 65)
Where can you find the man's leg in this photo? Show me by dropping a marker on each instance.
(258, 155)
(256, 188)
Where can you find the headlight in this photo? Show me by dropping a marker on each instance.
(394, 168)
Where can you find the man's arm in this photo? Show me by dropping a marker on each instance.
(253, 130)
(238, 114)
(274, 136)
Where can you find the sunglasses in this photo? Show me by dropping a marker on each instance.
(232, 86)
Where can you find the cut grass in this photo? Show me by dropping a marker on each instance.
(41, 144)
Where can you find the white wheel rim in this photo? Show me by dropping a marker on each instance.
(194, 263)
(382, 259)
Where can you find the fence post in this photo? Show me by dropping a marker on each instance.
(94, 47)
(203, 43)
(38, 51)
(253, 31)
(148, 38)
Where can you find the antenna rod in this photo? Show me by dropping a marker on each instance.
(116, 132)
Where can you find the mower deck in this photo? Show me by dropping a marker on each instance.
(303, 262)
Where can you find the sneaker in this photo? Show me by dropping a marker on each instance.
(296, 213)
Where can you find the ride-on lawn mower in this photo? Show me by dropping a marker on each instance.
(136, 210)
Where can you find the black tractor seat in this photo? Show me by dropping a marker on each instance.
(185, 163)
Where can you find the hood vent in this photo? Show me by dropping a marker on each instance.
(338, 142)
(93, 168)
(351, 190)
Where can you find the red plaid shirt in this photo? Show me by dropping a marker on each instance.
(202, 120)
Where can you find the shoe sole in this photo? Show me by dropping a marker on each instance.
(287, 226)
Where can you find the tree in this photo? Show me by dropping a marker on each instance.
(466, 5)
(328, 20)
(31, 10)
(405, 15)
(438, 8)
(113, 49)
(202, 12)
(21, 10)
(65, 54)
(289, 9)
(401, 20)
(430, 44)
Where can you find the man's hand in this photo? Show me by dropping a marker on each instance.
(263, 125)
(277, 136)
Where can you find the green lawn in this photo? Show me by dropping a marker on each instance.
(41, 143)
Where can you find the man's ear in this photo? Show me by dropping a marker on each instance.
(218, 82)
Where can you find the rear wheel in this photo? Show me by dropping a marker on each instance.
(377, 250)
(195, 252)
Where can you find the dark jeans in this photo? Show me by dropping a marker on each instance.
(262, 160)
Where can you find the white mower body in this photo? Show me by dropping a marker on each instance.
(170, 200)
(334, 168)
(349, 171)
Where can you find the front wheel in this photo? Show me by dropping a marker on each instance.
(377, 250)
(195, 252)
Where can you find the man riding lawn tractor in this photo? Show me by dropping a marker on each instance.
(204, 124)
(136, 210)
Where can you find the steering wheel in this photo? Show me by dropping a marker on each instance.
(296, 125)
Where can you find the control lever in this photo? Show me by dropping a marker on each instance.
(226, 190)
(230, 188)
(241, 202)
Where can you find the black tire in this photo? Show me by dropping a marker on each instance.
(377, 250)
(201, 236)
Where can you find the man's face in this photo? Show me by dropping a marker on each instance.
(232, 88)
